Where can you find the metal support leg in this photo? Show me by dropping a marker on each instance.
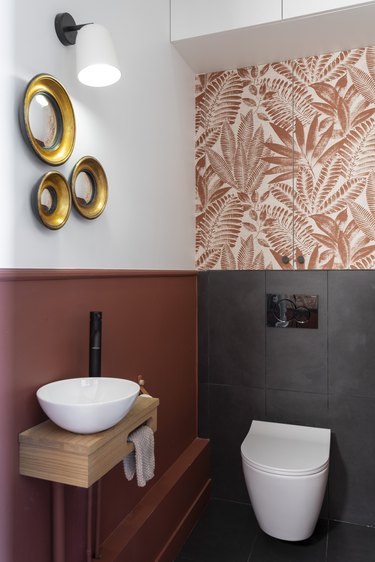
(98, 519)
(58, 537)
(89, 525)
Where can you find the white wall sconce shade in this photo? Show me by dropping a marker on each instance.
(97, 63)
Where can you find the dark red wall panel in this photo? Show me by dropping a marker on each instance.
(149, 328)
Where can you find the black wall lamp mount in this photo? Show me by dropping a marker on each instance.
(67, 29)
(96, 60)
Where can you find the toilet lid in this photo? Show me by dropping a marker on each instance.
(286, 449)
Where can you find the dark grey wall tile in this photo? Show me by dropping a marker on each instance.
(300, 408)
(351, 332)
(300, 283)
(203, 410)
(237, 327)
(203, 324)
(296, 377)
(296, 359)
(352, 467)
(232, 409)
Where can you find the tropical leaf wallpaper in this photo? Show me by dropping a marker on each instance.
(285, 164)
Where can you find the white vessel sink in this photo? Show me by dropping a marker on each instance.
(89, 404)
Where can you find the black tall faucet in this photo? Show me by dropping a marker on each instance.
(95, 358)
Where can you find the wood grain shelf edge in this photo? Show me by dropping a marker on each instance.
(51, 453)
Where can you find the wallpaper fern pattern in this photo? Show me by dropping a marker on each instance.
(285, 164)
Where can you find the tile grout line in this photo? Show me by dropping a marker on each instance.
(327, 537)
(253, 546)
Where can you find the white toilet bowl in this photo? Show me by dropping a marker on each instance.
(286, 470)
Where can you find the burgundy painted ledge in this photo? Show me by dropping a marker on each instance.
(50, 274)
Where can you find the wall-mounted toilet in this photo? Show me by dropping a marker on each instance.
(286, 470)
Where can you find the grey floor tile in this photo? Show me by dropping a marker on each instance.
(350, 543)
(228, 532)
(237, 327)
(268, 549)
(225, 533)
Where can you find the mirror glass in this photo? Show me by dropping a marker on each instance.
(45, 121)
(48, 200)
(85, 188)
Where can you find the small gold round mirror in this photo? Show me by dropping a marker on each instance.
(54, 200)
(89, 187)
(85, 189)
(47, 119)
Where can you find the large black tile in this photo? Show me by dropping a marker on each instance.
(232, 409)
(296, 359)
(268, 549)
(298, 282)
(352, 543)
(300, 408)
(203, 322)
(203, 410)
(225, 533)
(237, 327)
(351, 332)
(352, 467)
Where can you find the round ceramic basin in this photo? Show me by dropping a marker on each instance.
(89, 404)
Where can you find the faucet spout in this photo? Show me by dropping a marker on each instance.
(95, 353)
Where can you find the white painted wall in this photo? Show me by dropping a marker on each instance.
(140, 129)
(192, 18)
(7, 152)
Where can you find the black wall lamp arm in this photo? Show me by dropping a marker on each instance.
(66, 28)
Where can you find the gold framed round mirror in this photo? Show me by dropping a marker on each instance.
(47, 119)
(89, 187)
(54, 200)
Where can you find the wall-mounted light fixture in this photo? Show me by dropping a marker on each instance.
(97, 63)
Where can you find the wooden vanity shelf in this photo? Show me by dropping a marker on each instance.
(51, 453)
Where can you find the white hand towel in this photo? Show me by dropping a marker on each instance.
(142, 459)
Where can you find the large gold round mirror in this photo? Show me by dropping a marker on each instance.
(54, 200)
(89, 187)
(47, 119)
